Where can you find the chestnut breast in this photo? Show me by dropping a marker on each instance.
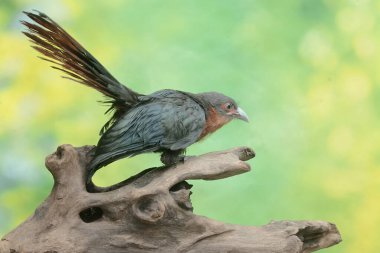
(214, 121)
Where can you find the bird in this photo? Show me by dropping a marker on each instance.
(166, 121)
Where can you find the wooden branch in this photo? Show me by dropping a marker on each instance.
(151, 212)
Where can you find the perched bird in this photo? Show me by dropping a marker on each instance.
(166, 121)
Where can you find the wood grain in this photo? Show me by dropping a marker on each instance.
(151, 212)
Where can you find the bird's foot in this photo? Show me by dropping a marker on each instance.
(170, 157)
(171, 160)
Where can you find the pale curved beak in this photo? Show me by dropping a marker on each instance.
(241, 115)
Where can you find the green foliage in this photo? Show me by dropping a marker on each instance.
(304, 71)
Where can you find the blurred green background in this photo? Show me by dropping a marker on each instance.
(306, 72)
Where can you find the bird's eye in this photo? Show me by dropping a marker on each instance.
(229, 106)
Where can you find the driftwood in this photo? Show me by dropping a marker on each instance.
(151, 212)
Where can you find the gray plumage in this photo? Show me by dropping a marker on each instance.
(166, 119)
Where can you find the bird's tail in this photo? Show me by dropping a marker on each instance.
(67, 55)
(98, 162)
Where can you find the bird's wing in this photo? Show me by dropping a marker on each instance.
(171, 123)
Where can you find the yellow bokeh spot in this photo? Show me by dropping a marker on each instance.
(354, 20)
(355, 85)
(341, 141)
(364, 46)
(317, 49)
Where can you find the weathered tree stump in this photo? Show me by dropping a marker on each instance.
(151, 212)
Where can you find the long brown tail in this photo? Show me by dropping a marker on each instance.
(70, 57)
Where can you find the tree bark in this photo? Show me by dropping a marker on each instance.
(151, 212)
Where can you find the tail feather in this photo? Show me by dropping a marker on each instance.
(68, 56)
(101, 160)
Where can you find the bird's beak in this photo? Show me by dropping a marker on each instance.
(241, 115)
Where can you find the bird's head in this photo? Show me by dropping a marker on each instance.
(224, 106)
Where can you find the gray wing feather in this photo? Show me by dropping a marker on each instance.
(173, 122)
